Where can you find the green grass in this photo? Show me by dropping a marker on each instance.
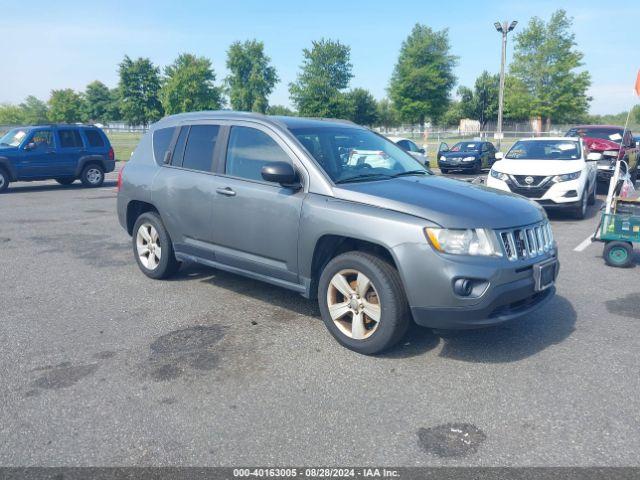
(124, 143)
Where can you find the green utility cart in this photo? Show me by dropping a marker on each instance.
(619, 231)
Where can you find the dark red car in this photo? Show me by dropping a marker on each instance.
(612, 142)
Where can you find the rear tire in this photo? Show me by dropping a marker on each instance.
(374, 298)
(4, 180)
(65, 181)
(152, 247)
(92, 175)
(618, 254)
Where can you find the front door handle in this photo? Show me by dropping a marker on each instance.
(226, 191)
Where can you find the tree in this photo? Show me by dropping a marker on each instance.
(325, 74)
(546, 61)
(481, 103)
(188, 85)
(98, 102)
(11, 115)
(387, 114)
(361, 107)
(34, 110)
(139, 89)
(280, 110)
(517, 99)
(423, 76)
(113, 110)
(66, 106)
(455, 112)
(252, 78)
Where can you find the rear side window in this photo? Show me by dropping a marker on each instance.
(69, 138)
(162, 142)
(94, 138)
(198, 154)
(249, 150)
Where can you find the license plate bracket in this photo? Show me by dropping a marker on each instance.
(544, 274)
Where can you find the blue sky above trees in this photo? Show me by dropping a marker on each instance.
(68, 44)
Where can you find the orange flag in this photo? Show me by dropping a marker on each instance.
(638, 84)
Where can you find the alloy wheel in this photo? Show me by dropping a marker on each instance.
(354, 304)
(148, 246)
(94, 175)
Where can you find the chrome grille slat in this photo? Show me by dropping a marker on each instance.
(526, 242)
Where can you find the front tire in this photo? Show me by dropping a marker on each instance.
(618, 254)
(92, 175)
(363, 303)
(593, 195)
(152, 247)
(4, 180)
(444, 171)
(581, 210)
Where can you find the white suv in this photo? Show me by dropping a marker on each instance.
(556, 172)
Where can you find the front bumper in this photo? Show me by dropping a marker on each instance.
(557, 195)
(428, 278)
(457, 165)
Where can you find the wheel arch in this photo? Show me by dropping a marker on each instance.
(135, 208)
(330, 246)
(90, 160)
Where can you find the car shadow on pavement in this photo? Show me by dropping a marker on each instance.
(14, 190)
(514, 340)
(566, 216)
(257, 290)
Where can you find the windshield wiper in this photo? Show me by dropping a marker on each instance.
(364, 178)
(411, 172)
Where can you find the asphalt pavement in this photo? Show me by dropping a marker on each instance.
(100, 365)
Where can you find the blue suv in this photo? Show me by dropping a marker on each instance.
(64, 153)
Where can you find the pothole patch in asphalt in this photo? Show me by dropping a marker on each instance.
(451, 439)
(626, 306)
(189, 348)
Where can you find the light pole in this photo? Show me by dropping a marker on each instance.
(503, 28)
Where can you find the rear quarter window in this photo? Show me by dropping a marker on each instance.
(94, 138)
(161, 143)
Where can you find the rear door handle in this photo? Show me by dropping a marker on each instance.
(226, 191)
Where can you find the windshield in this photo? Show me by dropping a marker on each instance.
(545, 150)
(466, 147)
(612, 134)
(13, 137)
(350, 154)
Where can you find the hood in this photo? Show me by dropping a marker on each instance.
(446, 202)
(451, 154)
(538, 167)
(600, 144)
(7, 149)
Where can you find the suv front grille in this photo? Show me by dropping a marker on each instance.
(536, 180)
(527, 242)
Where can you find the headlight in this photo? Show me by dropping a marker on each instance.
(499, 175)
(443, 158)
(567, 176)
(610, 153)
(479, 241)
(468, 159)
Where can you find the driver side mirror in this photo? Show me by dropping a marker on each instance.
(30, 146)
(499, 155)
(282, 173)
(594, 157)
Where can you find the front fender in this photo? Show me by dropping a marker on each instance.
(323, 216)
(9, 167)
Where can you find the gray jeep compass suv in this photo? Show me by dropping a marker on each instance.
(335, 212)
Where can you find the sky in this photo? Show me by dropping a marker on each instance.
(67, 44)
